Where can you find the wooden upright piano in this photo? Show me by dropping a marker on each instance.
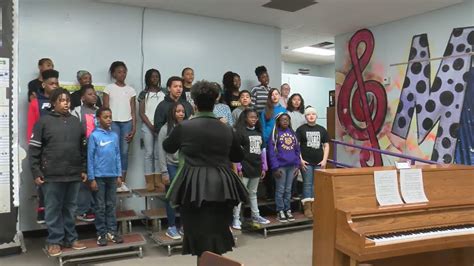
(350, 228)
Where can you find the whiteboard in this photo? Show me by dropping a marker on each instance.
(315, 92)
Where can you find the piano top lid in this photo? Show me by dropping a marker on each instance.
(370, 170)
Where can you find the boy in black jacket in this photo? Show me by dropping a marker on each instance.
(57, 158)
(175, 88)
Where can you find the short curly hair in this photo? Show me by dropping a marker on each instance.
(56, 94)
(204, 94)
(260, 70)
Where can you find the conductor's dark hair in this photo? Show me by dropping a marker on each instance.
(204, 94)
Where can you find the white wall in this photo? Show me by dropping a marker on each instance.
(90, 35)
(292, 68)
(325, 71)
(314, 90)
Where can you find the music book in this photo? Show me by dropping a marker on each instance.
(411, 185)
(386, 188)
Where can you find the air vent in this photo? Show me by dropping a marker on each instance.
(289, 6)
(325, 45)
(303, 71)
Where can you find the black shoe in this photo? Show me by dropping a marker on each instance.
(281, 217)
(289, 216)
(40, 216)
(102, 241)
(116, 238)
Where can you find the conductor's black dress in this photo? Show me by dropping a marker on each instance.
(205, 187)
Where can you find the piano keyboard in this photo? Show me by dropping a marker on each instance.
(421, 234)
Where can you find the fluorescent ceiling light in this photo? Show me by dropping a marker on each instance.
(314, 51)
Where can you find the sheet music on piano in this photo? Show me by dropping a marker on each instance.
(386, 188)
(411, 185)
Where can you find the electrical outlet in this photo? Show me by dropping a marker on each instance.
(386, 81)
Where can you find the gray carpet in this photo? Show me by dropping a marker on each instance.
(284, 248)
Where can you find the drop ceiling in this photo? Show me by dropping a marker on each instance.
(311, 25)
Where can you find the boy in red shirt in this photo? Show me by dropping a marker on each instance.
(38, 107)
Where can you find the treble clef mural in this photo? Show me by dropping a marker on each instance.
(362, 104)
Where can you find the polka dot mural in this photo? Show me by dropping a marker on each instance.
(443, 100)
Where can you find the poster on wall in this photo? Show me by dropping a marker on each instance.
(5, 154)
(10, 238)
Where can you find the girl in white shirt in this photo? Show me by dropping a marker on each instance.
(120, 98)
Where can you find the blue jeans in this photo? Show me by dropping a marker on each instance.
(85, 200)
(122, 129)
(308, 181)
(283, 186)
(150, 141)
(105, 197)
(170, 211)
(60, 200)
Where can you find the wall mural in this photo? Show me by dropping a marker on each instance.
(380, 117)
(362, 104)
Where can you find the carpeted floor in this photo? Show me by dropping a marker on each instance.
(284, 248)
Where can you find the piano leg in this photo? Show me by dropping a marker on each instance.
(353, 262)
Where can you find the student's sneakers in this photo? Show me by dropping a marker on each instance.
(76, 245)
(123, 188)
(116, 238)
(86, 217)
(40, 216)
(102, 241)
(289, 216)
(236, 224)
(181, 231)
(260, 220)
(54, 250)
(281, 217)
(173, 233)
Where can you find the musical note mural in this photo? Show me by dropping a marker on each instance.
(362, 104)
(421, 112)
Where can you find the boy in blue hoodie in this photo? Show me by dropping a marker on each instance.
(104, 173)
(284, 157)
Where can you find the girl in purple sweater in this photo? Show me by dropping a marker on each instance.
(284, 157)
